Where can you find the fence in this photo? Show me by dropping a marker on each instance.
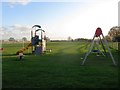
(114, 45)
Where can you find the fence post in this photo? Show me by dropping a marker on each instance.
(119, 46)
(118, 53)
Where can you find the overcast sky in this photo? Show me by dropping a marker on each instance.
(61, 19)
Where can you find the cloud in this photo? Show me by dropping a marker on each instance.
(21, 28)
(17, 31)
(5, 33)
(15, 2)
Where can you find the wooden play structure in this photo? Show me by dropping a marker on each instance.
(98, 35)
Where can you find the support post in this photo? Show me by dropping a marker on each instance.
(109, 50)
(89, 51)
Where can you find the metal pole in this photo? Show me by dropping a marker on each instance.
(89, 51)
(99, 48)
(103, 45)
(109, 50)
(23, 43)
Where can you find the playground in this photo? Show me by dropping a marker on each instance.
(69, 44)
(60, 68)
(68, 64)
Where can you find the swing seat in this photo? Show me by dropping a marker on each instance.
(95, 50)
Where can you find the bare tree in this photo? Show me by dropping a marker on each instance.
(69, 38)
(24, 39)
(47, 39)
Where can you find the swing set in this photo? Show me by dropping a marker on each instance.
(98, 35)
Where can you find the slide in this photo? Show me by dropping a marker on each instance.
(23, 49)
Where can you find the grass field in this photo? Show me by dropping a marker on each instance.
(59, 69)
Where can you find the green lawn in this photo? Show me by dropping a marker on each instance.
(59, 69)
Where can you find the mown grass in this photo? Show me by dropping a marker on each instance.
(59, 69)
